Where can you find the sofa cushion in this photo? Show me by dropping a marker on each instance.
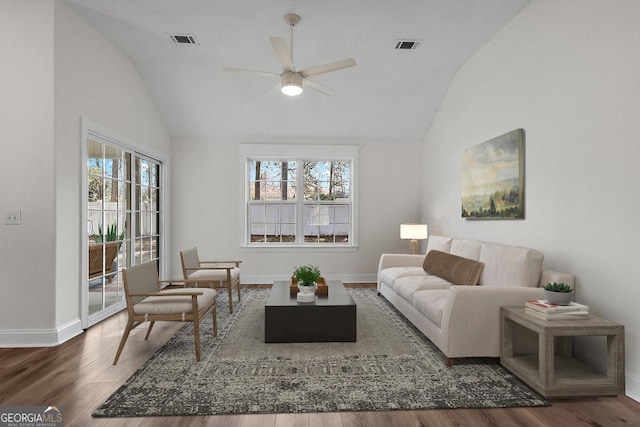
(466, 248)
(388, 276)
(431, 304)
(407, 286)
(453, 268)
(439, 243)
(510, 265)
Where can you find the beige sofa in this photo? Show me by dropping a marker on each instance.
(463, 320)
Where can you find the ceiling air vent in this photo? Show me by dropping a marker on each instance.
(407, 44)
(183, 39)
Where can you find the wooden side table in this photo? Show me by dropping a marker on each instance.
(553, 371)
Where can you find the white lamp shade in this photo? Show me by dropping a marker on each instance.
(413, 231)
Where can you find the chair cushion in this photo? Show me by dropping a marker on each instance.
(177, 304)
(190, 258)
(219, 275)
(455, 269)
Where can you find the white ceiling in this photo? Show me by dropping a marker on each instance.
(390, 95)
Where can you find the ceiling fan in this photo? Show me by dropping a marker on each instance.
(291, 81)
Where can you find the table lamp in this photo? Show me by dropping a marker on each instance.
(413, 232)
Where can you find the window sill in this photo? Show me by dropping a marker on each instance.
(298, 248)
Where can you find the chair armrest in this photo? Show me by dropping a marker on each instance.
(181, 294)
(209, 268)
(173, 294)
(234, 262)
(179, 282)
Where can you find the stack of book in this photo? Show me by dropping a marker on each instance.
(543, 310)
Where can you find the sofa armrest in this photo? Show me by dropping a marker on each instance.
(399, 260)
(471, 317)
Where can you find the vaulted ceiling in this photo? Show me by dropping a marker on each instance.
(391, 95)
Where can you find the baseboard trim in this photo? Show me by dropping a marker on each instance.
(16, 338)
(269, 279)
(632, 387)
(345, 278)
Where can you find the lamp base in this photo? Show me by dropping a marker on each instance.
(413, 247)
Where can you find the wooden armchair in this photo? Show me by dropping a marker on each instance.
(218, 274)
(147, 302)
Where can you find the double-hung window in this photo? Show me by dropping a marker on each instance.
(300, 195)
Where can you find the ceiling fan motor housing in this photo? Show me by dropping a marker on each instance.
(291, 83)
(290, 78)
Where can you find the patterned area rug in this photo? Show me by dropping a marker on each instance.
(391, 366)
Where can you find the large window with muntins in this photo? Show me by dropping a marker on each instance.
(123, 212)
(301, 200)
(147, 210)
(109, 221)
(327, 201)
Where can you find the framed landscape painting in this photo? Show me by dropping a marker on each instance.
(493, 178)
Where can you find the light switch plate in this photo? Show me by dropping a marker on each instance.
(12, 217)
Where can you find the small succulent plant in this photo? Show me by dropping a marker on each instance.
(558, 287)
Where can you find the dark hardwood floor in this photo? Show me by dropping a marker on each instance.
(78, 375)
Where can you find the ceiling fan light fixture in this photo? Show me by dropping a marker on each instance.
(291, 90)
(291, 83)
(290, 79)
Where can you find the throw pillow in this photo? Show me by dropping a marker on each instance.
(453, 268)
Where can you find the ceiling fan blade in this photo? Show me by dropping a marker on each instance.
(274, 91)
(256, 73)
(326, 68)
(280, 48)
(318, 87)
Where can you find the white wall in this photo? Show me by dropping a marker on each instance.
(27, 172)
(567, 72)
(96, 81)
(208, 210)
(55, 69)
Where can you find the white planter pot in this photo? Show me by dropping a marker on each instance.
(307, 289)
(560, 298)
(306, 293)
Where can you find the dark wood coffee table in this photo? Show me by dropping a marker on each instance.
(331, 317)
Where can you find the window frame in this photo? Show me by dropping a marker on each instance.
(300, 154)
(104, 135)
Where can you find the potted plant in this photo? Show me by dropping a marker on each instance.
(105, 247)
(306, 277)
(111, 235)
(558, 293)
